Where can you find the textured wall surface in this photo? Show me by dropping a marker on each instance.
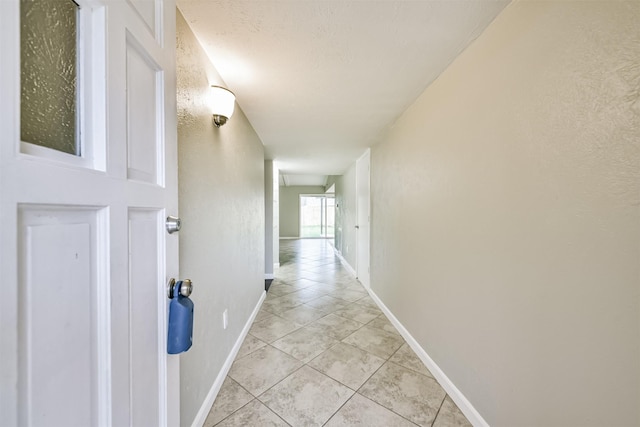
(506, 217)
(290, 207)
(345, 193)
(48, 74)
(221, 184)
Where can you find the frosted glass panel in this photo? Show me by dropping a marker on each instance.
(48, 74)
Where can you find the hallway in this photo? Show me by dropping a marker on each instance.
(320, 352)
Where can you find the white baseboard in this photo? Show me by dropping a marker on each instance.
(344, 263)
(269, 276)
(289, 238)
(456, 395)
(201, 416)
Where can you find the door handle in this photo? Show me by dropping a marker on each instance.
(357, 227)
(186, 288)
(173, 224)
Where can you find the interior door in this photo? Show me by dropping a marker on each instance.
(364, 217)
(88, 174)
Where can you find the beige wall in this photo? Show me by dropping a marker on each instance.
(290, 207)
(345, 194)
(222, 241)
(506, 217)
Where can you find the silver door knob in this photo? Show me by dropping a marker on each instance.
(186, 288)
(173, 224)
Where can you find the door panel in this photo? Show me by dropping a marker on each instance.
(84, 255)
(145, 264)
(149, 11)
(363, 214)
(144, 81)
(58, 323)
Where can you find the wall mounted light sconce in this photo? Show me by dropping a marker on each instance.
(222, 104)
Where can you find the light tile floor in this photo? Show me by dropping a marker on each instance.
(321, 353)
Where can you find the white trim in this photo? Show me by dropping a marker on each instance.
(367, 151)
(269, 276)
(276, 265)
(345, 264)
(456, 395)
(201, 416)
(289, 238)
(104, 320)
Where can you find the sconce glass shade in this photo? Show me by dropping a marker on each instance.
(223, 102)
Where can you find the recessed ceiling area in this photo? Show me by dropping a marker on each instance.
(320, 81)
(292, 180)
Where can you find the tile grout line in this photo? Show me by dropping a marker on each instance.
(347, 284)
(348, 304)
(222, 420)
(387, 360)
(439, 409)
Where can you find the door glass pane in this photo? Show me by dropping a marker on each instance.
(310, 216)
(317, 216)
(331, 216)
(48, 74)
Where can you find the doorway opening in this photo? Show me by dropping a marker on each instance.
(317, 216)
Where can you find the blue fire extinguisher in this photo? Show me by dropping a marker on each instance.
(180, 318)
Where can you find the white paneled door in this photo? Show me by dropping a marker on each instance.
(363, 229)
(88, 159)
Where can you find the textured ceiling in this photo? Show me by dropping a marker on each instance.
(322, 80)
